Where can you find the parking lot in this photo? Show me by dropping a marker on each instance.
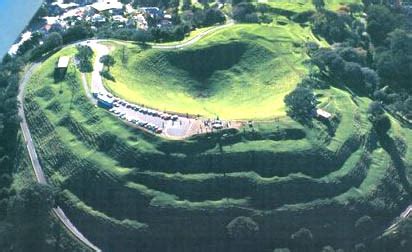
(151, 120)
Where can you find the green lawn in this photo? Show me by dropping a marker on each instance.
(262, 64)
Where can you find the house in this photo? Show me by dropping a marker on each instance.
(113, 6)
(48, 28)
(165, 23)
(98, 19)
(120, 19)
(84, 2)
(154, 12)
(61, 67)
(63, 62)
(65, 6)
(323, 114)
(54, 10)
(139, 21)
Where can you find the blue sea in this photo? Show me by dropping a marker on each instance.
(14, 17)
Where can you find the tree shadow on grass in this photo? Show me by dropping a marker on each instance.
(389, 145)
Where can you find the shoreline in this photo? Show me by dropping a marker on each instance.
(20, 37)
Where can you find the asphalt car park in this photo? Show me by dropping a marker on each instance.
(151, 120)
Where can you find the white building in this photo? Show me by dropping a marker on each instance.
(107, 5)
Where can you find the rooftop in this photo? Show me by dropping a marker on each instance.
(107, 5)
(323, 113)
(63, 62)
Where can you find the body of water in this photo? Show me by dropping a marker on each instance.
(14, 17)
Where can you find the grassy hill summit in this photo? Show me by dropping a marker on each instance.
(241, 72)
(287, 178)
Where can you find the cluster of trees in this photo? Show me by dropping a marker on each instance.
(301, 104)
(190, 19)
(379, 119)
(373, 57)
(84, 57)
(28, 219)
(394, 61)
(244, 231)
(50, 43)
(157, 3)
(33, 48)
(9, 122)
(247, 12)
(201, 17)
(338, 26)
(391, 55)
(346, 66)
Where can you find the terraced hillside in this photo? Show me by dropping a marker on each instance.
(137, 189)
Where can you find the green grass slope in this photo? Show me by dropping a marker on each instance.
(240, 72)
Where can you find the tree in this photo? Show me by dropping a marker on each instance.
(370, 78)
(242, 228)
(186, 4)
(77, 32)
(328, 249)
(108, 61)
(84, 56)
(53, 41)
(302, 240)
(332, 26)
(301, 103)
(395, 64)
(319, 4)
(245, 12)
(364, 225)
(360, 247)
(375, 109)
(352, 74)
(6, 230)
(29, 211)
(380, 22)
(381, 124)
(214, 16)
(262, 8)
(355, 8)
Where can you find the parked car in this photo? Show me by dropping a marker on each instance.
(158, 131)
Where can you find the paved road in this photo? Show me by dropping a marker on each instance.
(40, 177)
